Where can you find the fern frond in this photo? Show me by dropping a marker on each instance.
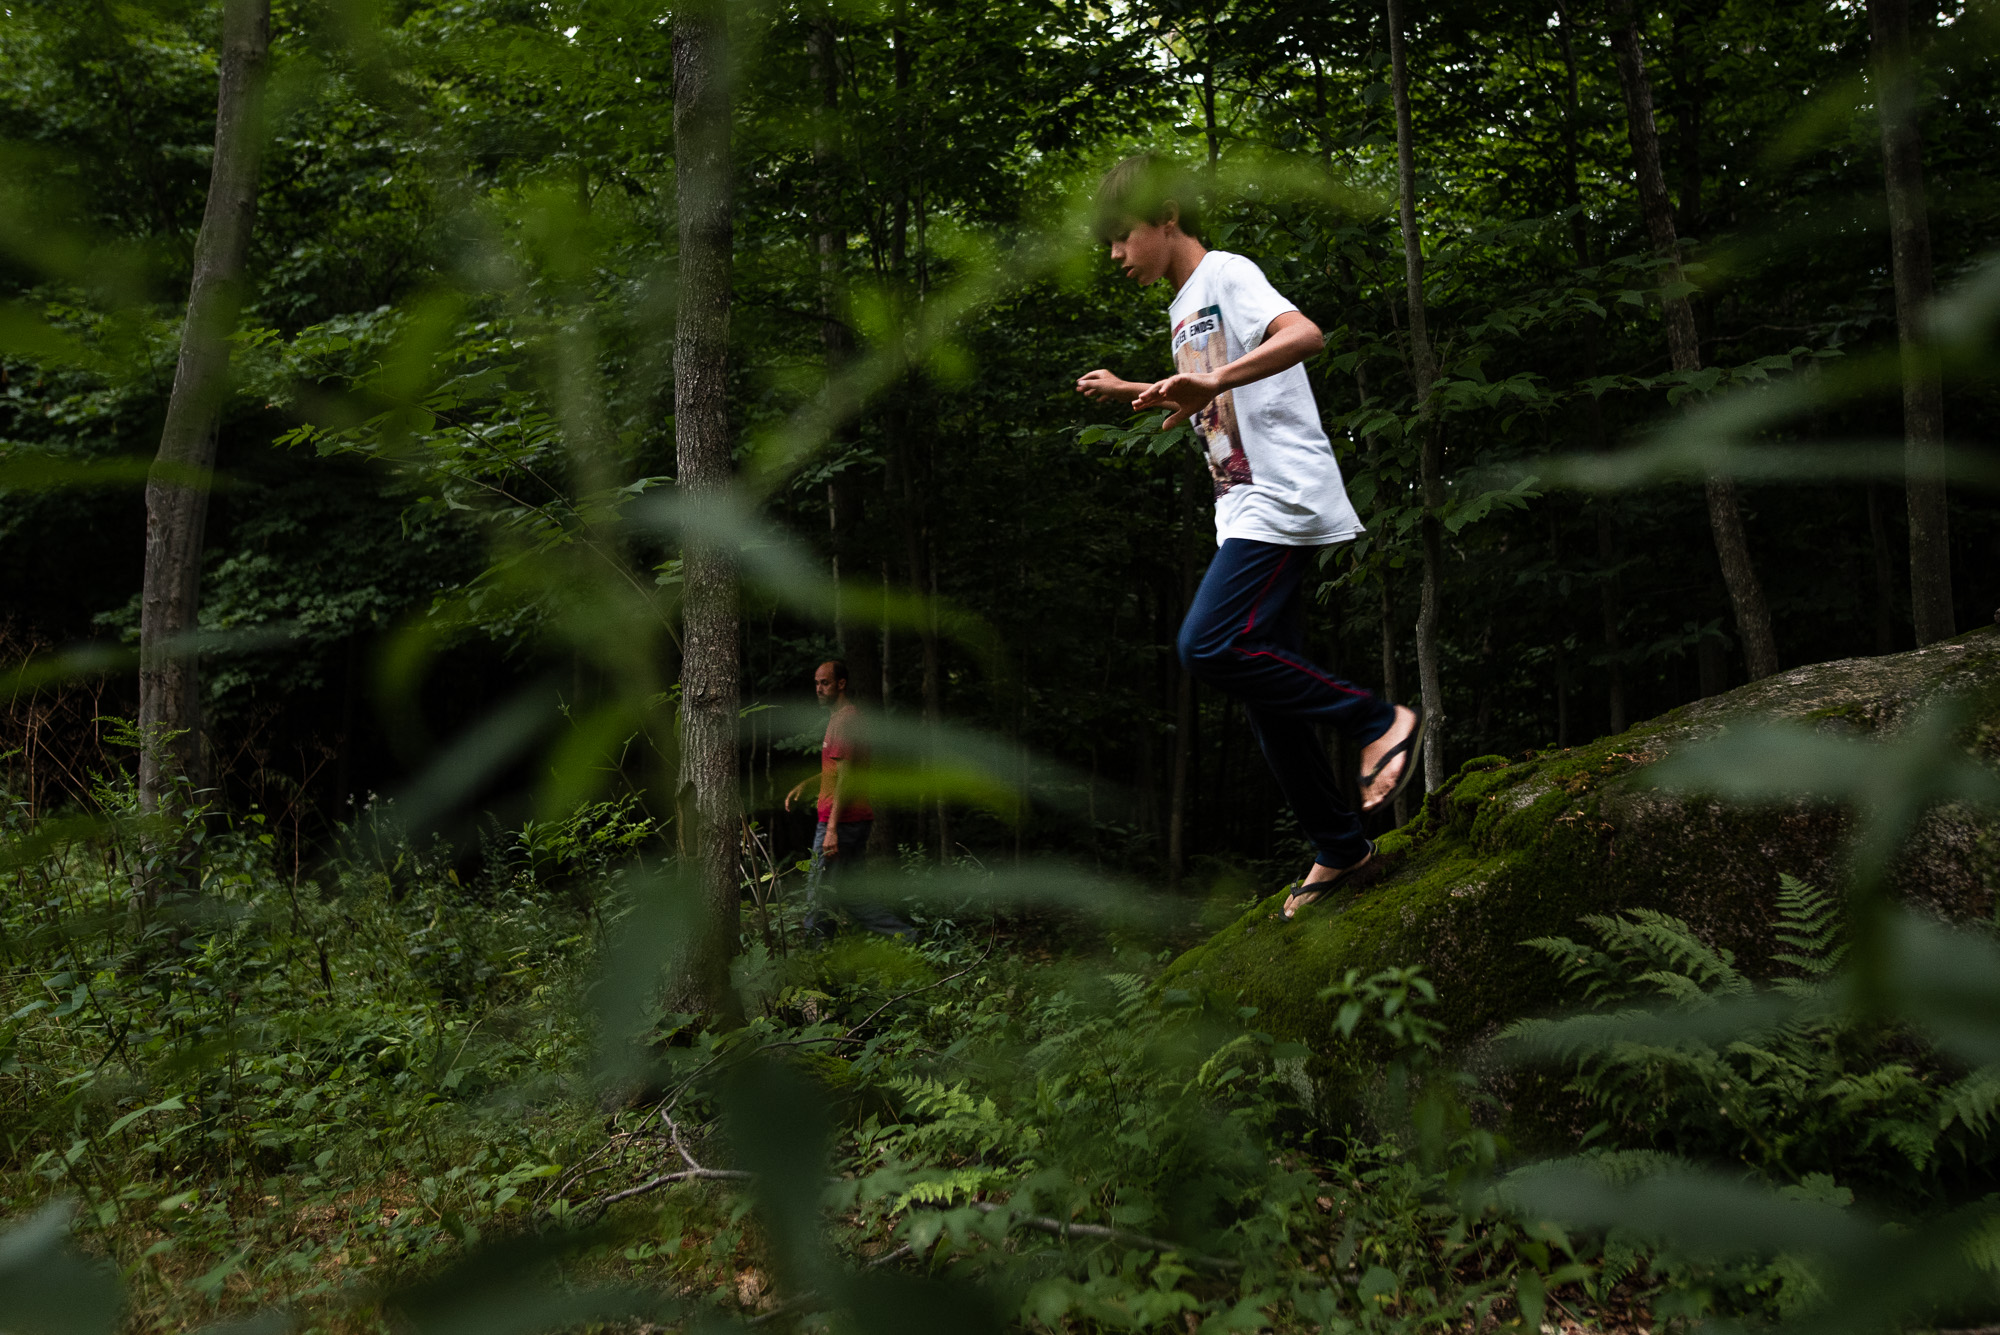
(942, 1189)
(1809, 921)
(1973, 1102)
(1600, 977)
(1131, 990)
(1669, 941)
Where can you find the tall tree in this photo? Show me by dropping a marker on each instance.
(1725, 516)
(1910, 247)
(176, 489)
(709, 617)
(846, 501)
(1609, 595)
(1430, 441)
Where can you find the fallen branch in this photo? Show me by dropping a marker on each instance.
(1063, 1228)
(668, 1179)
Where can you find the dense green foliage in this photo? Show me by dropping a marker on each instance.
(297, 1082)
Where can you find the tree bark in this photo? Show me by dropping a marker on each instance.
(710, 684)
(1430, 442)
(170, 762)
(1579, 226)
(1690, 89)
(1610, 601)
(1910, 246)
(1725, 518)
(846, 500)
(1885, 577)
(1184, 698)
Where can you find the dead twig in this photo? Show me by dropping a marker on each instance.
(1063, 1228)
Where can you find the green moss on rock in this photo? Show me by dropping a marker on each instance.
(1508, 850)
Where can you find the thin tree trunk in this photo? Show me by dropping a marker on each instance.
(1609, 596)
(1885, 576)
(934, 695)
(710, 684)
(176, 490)
(1579, 226)
(1208, 104)
(1610, 610)
(1725, 518)
(1391, 679)
(845, 500)
(1910, 245)
(1689, 89)
(1184, 700)
(1423, 370)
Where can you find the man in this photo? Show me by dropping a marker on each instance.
(840, 841)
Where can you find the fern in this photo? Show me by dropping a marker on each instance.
(1818, 1096)
(1973, 1102)
(1809, 921)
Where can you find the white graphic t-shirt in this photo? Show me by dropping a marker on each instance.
(1276, 479)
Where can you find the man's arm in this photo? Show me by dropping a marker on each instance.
(1289, 339)
(830, 846)
(799, 788)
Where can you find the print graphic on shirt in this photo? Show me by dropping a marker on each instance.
(1201, 344)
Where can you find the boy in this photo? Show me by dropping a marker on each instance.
(1238, 351)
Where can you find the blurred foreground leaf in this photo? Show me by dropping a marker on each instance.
(46, 1288)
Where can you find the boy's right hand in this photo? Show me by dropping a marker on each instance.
(1101, 384)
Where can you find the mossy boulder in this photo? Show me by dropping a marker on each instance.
(1509, 850)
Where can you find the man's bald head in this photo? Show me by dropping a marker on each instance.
(830, 682)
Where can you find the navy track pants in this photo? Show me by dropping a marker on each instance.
(1244, 635)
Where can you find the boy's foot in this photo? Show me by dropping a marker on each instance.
(1322, 881)
(1390, 761)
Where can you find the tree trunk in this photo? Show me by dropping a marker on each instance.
(1184, 698)
(1579, 226)
(709, 668)
(845, 499)
(1725, 518)
(1423, 370)
(1885, 576)
(1392, 686)
(1910, 246)
(170, 762)
(934, 695)
(1609, 598)
(1611, 610)
(1690, 89)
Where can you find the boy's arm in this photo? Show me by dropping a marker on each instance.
(1288, 340)
(1101, 384)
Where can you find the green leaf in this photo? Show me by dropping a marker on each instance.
(47, 1289)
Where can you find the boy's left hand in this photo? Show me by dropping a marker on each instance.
(1188, 394)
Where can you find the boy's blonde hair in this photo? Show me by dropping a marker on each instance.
(1140, 188)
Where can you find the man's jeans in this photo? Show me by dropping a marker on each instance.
(1245, 634)
(820, 883)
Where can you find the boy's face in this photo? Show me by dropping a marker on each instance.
(1143, 249)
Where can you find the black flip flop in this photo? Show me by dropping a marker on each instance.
(1409, 746)
(1321, 889)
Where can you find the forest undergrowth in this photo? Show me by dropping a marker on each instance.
(320, 1093)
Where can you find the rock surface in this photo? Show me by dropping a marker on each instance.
(1506, 851)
